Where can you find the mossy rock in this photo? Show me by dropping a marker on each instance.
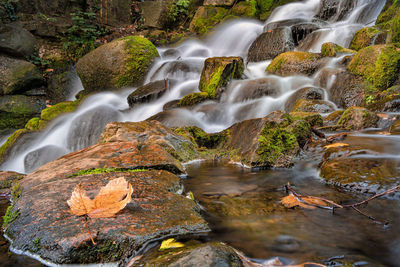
(332, 50)
(52, 112)
(357, 118)
(245, 9)
(217, 72)
(193, 99)
(118, 64)
(201, 138)
(395, 127)
(6, 147)
(320, 106)
(207, 17)
(366, 37)
(313, 118)
(334, 117)
(385, 101)
(295, 63)
(378, 64)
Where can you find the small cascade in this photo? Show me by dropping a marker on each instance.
(184, 64)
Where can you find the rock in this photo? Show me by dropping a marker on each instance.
(333, 118)
(17, 139)
(121, 63)
(157, 211)
(18, 76)
(358, 118)
(56, 110)
(171, 105)
(245, 9)
(206, 18)
(366, 175)
(203, 140)
(41, 156)
(320, 106)
(334, 10)
(219, 2)
(266, 142)
(344, 88)
(16, 110)
(179, 68)
(366, 37)
(270, 44)
(153, 12)
(173, 118)
(332, 50)
(217, 72)
(253, 89)
(386, 101)
(193, 99)
(149, 92)
(61, 85)
(206, 255)
(295, 63)
(301, 30)
(8, 179)
(16, 41)
(313, 118)
(377, 64)
(395, 127)
(309, 93)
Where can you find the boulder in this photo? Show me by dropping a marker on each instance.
(358, 118)
(18, 76)
(193, 99)
(295, 63)
(334, 10)
(145, 154)
(16, 41)
(366, 37)
(207, 255)
(270, 44)
(320, 106)
(310, 93)
(217, 72)
(17, 110)
(333, 118)
(378, 64)
(118, 64)
(149, 92)
(332, 50)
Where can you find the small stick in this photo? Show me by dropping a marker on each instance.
(87, 228)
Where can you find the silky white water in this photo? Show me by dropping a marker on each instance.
(184, 63)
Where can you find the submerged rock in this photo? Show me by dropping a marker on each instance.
(217, 72)
(295, 63)
(121, 63)
(253, 89)
(149, 92)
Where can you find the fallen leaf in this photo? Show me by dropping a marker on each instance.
(306, 202)
(170, 243)
(336, 145)
(111, 199)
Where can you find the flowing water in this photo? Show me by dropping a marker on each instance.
(299, 235)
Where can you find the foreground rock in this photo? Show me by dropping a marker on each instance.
(121, 63)
(310, 93)
(44, 226)
(320, 106)
(357, 118)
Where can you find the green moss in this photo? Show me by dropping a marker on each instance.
(332, 49)
(275, 142)
(265, 7)
(214, 83)
(10, 216)
(301, 129)
(16, 191)
(313, 118)
(104, 170)
(364, 37)
(201, 138)
(207, 17)
(32, 124)
(245, 9)
(292, 57)
(192, 99)
(52, 112)
(5, 148)
(141, 53)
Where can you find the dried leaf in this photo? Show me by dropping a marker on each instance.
(170, 243)
(336, 145)
(111, 199)
(307, 202)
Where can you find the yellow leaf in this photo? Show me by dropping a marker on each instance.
(170, 243)
(336, 145)
(111, 199)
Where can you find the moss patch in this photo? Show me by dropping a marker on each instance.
(141, 53)
(104, 170)
(201, 138)
(332, 49)
(52, 112)
(193, 99)
(5, 148)
(294, 62)
(364, 37)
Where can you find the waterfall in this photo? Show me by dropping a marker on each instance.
(80, 129)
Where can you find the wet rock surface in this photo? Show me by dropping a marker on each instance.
(310, 93)
(149, 92)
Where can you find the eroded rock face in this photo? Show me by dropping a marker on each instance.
(156, 211)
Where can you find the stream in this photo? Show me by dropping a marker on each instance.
(242, 206)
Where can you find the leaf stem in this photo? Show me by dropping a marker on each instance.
(87, 228)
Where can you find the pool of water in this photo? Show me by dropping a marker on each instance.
(244, 210)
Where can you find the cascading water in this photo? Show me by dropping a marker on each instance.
(183, 64)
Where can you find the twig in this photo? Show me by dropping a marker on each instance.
(338, 206)
(87, 228)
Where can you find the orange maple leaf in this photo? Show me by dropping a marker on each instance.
(109, 201)
(307, 202)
